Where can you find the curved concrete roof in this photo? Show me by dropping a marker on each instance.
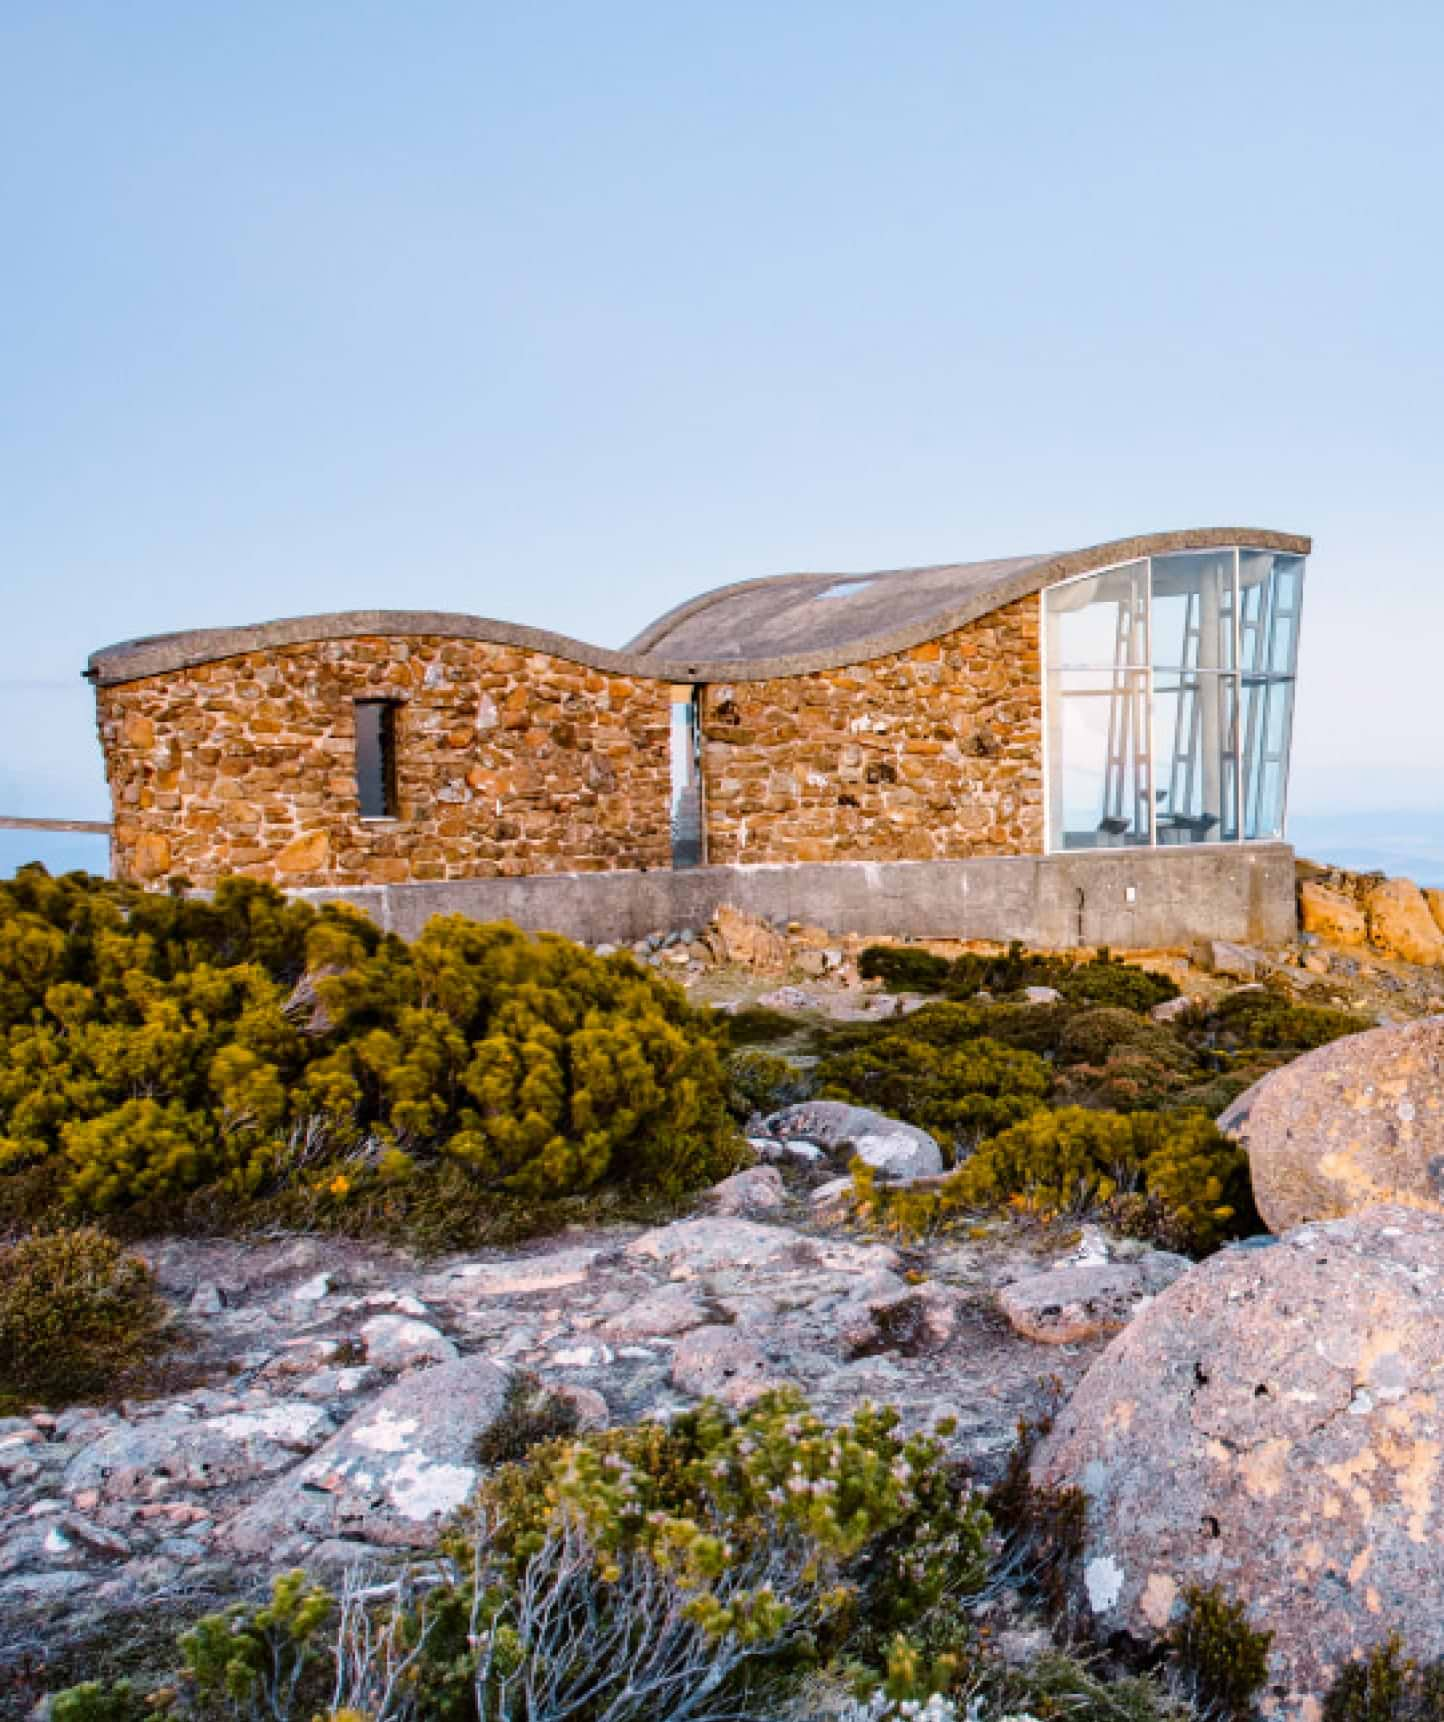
(781, 625)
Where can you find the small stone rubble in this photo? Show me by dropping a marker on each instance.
(336, 1390)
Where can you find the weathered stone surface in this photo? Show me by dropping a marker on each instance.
(394, 1472)
(200, 1453)
(935, 751)
(1087, 1300)
(900, 1150)
(721, 1363)
(1271, 1426)
(734, 936)
(402, 1342)
(1331, 915)
(548, 1271)
(1236, 962)
(671, 1310)
(912, 1321)
(1434, 898)
(507, 761)
(1355, 1122)
(694, 1247)
(266, 1377)
(755, 1190)
(511, 761)
(1401, 925)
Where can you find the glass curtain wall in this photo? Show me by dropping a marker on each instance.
(1170, 687)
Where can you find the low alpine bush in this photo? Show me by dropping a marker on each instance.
(78, 1314)
(1193, 1181)
(157, 1046)
(960, 1093)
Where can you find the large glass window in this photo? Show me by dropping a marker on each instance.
(1170, 699)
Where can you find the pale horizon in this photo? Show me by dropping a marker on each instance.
(563, 317)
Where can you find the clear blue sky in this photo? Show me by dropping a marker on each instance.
(562, 313)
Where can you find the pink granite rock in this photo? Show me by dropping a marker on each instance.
(1271, 1425)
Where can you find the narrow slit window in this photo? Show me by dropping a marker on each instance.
(376, 758)
(688, 842)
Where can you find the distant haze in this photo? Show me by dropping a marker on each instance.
(564, 313)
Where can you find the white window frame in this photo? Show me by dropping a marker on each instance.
(1147, 671)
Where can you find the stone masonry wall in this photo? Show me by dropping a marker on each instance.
(508, 762)
(930, 753)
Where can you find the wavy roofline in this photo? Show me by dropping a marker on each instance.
(643, 658)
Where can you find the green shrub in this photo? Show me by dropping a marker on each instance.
(959, 1093)
(1387, 1685)
(763, 1082)
(99, 1701)
(1094, 1035)
(77, 1316)
(1104, 980)
(1259, 1018)
(263, 1662)
(1073, 1160)
(530, 1415)
(874, 1527)
(757, 1025)
(158, 1046)
(904, 968)
(1222, 1658)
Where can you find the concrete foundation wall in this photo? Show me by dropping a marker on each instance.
(1127, 899)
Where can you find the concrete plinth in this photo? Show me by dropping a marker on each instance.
(1130, 899)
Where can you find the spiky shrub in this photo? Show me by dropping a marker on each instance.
(904, 968)
(740, 1545)
(1223, 1660)
(77, 1315)
(154, 1046)
(960, 1093)
(1386, 1685)
(1072, 1161)
(762, 1082)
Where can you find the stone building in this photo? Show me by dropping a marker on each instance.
(783, 741)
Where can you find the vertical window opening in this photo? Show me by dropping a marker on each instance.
(376, 758)
(688, 842)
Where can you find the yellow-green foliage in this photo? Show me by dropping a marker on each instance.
(151, 1046)
(253, 1661)
(77, 1313)
(762, 1082)
(960, 1092)
(1071, 1160)
(881, 1520)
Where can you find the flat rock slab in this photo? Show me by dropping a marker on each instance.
(198, 1452)
(902, 1151)
(1271, 1425)
(393, 1473)
(692, 1248)
(1086, 1300)
(1353, 1123)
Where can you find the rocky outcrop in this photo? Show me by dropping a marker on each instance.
(335, 1390)
(1331, 915)
(392, 1475)
(1271, 1425)
(1356, 1122)
(1400, 924)
(734, 936)
(901, 1151)
(1087, 1300)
